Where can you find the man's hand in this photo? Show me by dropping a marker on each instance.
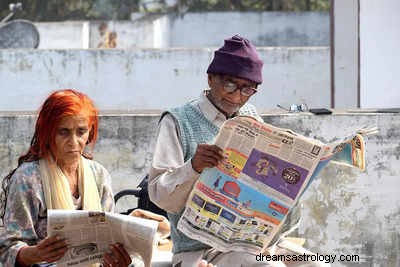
(50, 249)
(164, 228)
(206, 156)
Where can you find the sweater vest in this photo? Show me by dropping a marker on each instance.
(194, 129)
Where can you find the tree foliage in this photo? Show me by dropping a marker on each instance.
(258, 5)
(59, 10)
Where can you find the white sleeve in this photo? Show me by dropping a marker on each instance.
(170, 178)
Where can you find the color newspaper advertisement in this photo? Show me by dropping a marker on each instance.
(90, 233)
(240, 204)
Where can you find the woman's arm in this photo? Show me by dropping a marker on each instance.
(25, 216)
(50, 249)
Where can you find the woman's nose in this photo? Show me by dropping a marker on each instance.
(73, 139)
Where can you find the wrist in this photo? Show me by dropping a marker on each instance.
(27, 256)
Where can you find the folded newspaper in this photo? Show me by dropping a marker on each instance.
(89, 234)
(240, 204)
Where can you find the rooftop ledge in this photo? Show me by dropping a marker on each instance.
(267, 112)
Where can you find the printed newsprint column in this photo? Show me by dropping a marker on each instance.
(240, 204)
(89, 235)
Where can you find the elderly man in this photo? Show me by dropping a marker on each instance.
(183, 150)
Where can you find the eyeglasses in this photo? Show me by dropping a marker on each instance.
(295, 107)
(230, 87)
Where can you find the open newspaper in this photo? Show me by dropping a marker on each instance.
(90, 233)
(240, 204)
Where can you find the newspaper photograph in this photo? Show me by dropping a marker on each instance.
(240, 204)
(89, 234)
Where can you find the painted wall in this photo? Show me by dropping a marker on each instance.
(345, 53)
(379, 53)
(61, 34)
(193, 30)
(345, 211)
(153, 78)
(263, 28)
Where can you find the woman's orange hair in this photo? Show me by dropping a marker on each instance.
(58, 105)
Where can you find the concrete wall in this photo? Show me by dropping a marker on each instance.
(264, 28)
(58, 35)
(379, 55)
(193, 30)
(345, 53)
(345, 211)
(154, 79)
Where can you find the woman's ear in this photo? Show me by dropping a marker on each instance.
(91, 134)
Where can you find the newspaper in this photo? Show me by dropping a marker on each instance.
(240, 204)
(90, 233)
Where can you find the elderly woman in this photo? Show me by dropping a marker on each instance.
(56, 173)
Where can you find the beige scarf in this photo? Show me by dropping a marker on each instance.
(56, 188)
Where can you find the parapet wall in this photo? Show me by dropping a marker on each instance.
(155, 78)
(202, 29)
(345, 211)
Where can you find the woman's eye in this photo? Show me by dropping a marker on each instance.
(82, 131)
(63, 132)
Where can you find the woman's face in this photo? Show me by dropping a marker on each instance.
(71, 137)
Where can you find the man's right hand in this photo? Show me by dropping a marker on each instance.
(49, 250)
(206, 156)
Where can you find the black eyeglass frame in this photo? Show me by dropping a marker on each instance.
(230, 87)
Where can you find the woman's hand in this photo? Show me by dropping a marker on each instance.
(50, 249)
(116, 256)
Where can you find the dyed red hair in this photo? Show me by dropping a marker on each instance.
(58, 105)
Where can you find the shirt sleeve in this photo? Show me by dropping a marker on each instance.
(171, 179)
(103, 180)
(21, 216)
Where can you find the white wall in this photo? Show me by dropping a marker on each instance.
(194, 30)
(55, 35)
(263, 28)
(129, 34)
(154, 78)
(345, 53)
(379, 53)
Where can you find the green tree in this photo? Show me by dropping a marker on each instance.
(58, 10)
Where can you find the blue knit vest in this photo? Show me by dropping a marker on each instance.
(194, 129)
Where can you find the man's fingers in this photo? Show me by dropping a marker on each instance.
(200, 163)
(211, 148)
(212, 154)
(206, 156)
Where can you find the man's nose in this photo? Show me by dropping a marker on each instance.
(236, 96)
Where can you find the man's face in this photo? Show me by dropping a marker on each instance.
(225, 101)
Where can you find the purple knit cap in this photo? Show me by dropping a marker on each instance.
(239, 58)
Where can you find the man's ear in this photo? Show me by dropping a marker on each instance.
(211, 79)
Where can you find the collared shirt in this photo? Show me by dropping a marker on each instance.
(171, 179)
